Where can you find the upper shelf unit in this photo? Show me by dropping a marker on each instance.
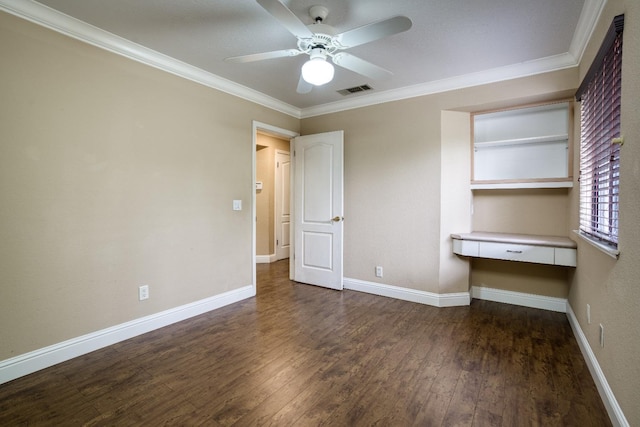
(522, 148)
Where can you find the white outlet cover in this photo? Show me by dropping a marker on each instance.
(143, 292)
(378, 271)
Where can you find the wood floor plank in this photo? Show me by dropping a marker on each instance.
(341, 380)
(492, 394)
(462, 407)
(439, 397)
(299, 355)
(485, 418)
(368, 408)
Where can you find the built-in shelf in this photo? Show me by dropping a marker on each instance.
(552, 250)
(520, 184)
(520, 141)
(526, 147)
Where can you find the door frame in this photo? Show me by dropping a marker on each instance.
(277, 226)
(275, 131)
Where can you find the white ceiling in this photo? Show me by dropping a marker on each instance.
(454, 41)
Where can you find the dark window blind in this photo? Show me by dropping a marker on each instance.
(600, 96)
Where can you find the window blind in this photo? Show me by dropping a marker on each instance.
(600, 96)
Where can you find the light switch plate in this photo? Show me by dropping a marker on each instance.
(237, 205)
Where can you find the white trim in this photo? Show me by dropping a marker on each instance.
(254, 209)
(509, 72)
(265, 259)
(79, 30)
(274, 130)
(406, 294)
(613, 253)
(608, 398)
(520, 298)
(33, 361)
(277, 224)
(57, 21)
(587, 22)
(511, 185)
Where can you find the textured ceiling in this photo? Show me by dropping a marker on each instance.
(449, 38)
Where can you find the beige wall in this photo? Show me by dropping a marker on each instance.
(112, 175)
(526, 211)
(455, 202)
(537, 279)
(394, 206)
(611, 287)
(265, 198)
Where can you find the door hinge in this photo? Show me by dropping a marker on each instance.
(277, 164)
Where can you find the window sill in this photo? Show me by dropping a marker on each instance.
(613, 253)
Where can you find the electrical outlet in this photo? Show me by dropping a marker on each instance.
(378, 271)
(601, 335)
(588, 314)
(143, 292)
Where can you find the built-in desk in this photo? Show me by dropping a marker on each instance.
(516, 247)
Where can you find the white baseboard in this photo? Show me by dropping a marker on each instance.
(265, 259)
(520, 298)
(33, 361)
(422, 297)
(613, 409)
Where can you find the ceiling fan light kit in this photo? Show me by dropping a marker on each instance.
(317, 70)
(320, 41)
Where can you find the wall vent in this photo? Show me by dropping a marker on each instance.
(355, 89)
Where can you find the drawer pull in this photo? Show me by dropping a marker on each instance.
(513, 252)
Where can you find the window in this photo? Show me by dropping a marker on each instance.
(600, 96)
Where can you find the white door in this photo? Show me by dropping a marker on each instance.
(318, 213)
(282, 202)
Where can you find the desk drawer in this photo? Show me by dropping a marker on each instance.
(465, 247)
(513, 252)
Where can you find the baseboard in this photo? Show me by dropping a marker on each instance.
(608, 398)
(520, 298)
(265, 259)
(33, 361)
(422, 297)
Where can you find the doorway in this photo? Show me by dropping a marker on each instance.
(316, 250)
(270, 227)
(272, 198)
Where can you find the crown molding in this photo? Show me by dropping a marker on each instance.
(64, 24)
(587, 22)
(79, 30)
(509, 72)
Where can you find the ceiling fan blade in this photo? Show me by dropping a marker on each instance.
(373, 31)
(287, 18)
(360, 66)
(265, 55)
(304, 86)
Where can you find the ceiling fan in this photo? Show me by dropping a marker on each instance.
(320, 41)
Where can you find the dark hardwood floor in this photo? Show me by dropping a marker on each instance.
(306, 356)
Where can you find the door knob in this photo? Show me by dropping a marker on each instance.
(337, 218)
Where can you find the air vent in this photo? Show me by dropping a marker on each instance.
(355, 89)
